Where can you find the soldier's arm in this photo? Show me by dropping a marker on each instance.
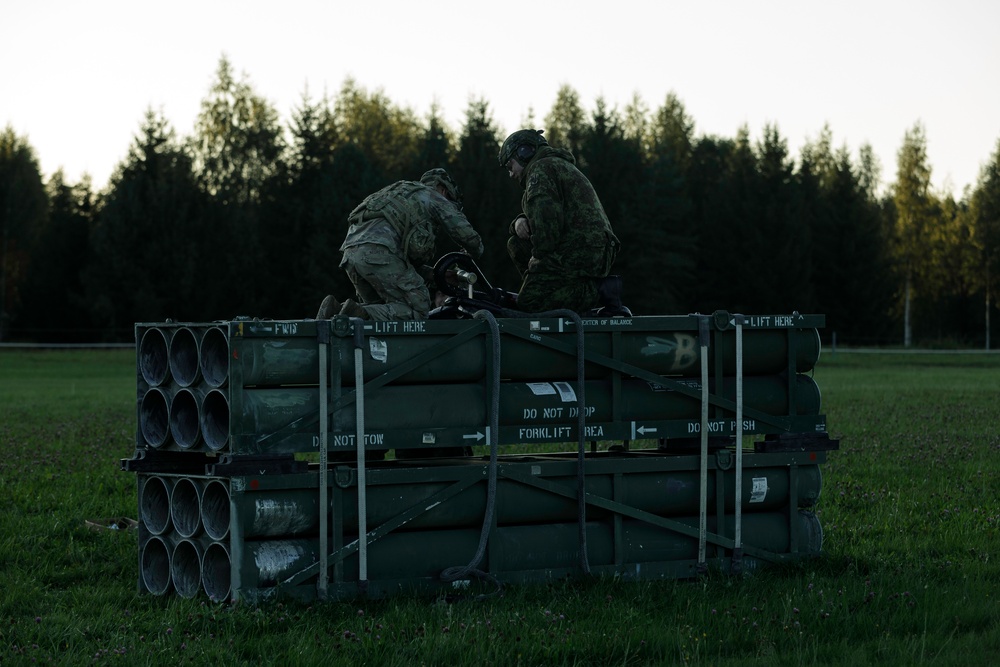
(544, 208)
(458, 227)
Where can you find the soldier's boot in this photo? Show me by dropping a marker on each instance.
(328, 308)
(352, 308)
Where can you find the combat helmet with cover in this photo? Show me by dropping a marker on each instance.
(438, 176)
(521, 145)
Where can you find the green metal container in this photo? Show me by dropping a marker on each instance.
(246, 393)
(539, 407)
(251, 387)
(294, 359)
(193, 419)
(536, 551)
(292, 512)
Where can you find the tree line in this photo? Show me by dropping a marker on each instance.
(245, 217)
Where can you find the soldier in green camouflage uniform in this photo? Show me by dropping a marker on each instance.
(392, 233)
(562, 243)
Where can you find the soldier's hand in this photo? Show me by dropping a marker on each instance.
(522, 227)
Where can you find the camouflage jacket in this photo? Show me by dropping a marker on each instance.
(570, 232)
(404, 216)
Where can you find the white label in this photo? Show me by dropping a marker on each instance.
(759, 490)
(378, 348)
(541, 388)
(566, 392)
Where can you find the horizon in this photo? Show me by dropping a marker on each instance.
(868, 72)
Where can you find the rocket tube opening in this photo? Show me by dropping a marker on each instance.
(216, 567)
(185, 569)
(215, 419)
(184, 419)
(154, 417)
(155, 565)
(215, 357)
(185, 508)
(154, 505)
(152, 356)
(215, 510)
(184, 357)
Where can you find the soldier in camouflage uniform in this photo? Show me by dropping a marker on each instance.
(392, 233)
(562, 244)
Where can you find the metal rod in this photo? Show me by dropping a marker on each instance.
(359, 388)
(703, 477)
(323, 330)
(738, 533)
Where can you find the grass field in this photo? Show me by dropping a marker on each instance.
(910, 574)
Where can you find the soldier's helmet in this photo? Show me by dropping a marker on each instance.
(521, 145)
(438, 176)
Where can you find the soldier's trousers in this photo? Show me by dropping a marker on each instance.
(389, 287)
(542, 291)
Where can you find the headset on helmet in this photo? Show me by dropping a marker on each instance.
(523, 145)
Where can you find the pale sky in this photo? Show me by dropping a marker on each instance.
(76, 78)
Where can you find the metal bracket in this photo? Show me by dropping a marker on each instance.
(724, 459)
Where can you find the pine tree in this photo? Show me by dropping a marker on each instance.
(491, 199)
(986, 220)
(149, 260)
(23, 213)
(914, 210)
(387, 134)
(565, 124)
(238, 145)
(435, 144)
(55, 309)
(851, 271)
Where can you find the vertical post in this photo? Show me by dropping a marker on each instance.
(737, 560)
(359, 388)
(987, 306)
(907, 331)
(3, 271)
(323, 340)
(703, 487)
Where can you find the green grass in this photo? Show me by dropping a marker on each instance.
(910, 509)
